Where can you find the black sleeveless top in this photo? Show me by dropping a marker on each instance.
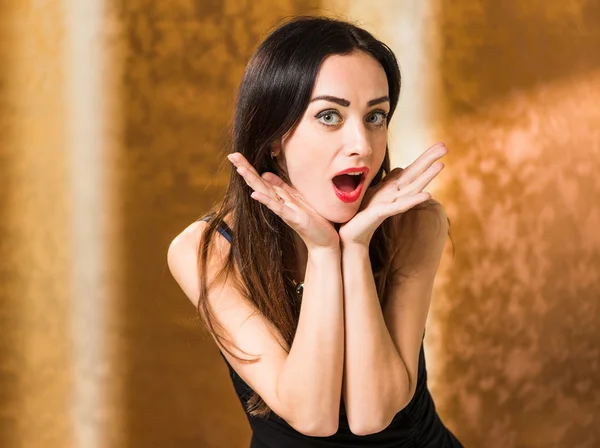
(416, 426)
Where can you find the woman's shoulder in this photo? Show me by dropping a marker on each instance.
(191, 236)
(419, 232)
(183, 256)
(426, 219)
(188, 238)
(192, 232)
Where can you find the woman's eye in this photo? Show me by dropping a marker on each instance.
(377, 118)
(329, 118)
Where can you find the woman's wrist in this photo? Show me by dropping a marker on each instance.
(354, 247)
(347, 239)
(349, 243)
(325, 251)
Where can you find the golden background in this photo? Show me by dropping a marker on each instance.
(99, 347)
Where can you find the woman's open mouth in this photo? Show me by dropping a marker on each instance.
(348, 186)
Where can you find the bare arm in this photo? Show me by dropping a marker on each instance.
(382, 346)
(311, 378)
(303, 386)
(375, 375)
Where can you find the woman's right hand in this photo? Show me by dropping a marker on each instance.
(283, 200)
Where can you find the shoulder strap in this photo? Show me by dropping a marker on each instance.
(223, 229)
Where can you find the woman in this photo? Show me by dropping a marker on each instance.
(314, 274)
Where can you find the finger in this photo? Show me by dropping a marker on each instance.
(275, 180)
(431, 155)
(435, 146)
(282, 196)
(403, 204)
(422, 163)
(279, 203)
(424, 179)
(392, 176)
(253, 180)
(237, 159)
(276, 206)
(248, 173)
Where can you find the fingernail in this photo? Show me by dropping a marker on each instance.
(232, 158)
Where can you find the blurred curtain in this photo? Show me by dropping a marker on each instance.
(520, 84)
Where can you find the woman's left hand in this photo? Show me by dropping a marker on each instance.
(398, 192)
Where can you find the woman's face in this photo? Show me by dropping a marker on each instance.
(342, 130)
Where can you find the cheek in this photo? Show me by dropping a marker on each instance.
(307, 167)
(379, 148)
(381, 140)
(379, 151)
(304, 151)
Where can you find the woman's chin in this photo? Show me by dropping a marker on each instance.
(339, 216)
(336, 213)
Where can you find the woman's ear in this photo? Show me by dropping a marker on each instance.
(275, 148)
(277, 156)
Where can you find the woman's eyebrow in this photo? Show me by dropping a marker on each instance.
(333, 99)
(346, 103)
(381, 99)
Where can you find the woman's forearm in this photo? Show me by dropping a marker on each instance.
(375, 376)
(311, 378)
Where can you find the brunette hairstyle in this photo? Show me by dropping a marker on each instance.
(273, 96)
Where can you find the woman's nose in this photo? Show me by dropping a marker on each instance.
(358, 141)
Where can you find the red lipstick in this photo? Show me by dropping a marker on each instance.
(346, 195)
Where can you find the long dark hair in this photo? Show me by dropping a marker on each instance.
(273, 96)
